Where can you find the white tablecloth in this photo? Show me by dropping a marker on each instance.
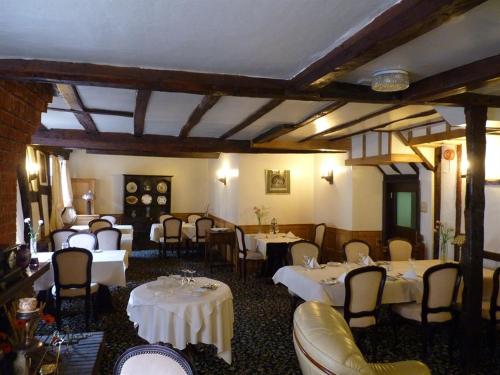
(306, 283)
(188, 231)
(259, 241)
(127, 235)
(170, 313)
(108, 268)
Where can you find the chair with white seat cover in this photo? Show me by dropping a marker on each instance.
(441, 284)
(108, 239)
(245, 255)
(60, 236)
(299, 249)
(164, 217)
(96, 224)
(83, 240)
(172, 235)
(73, 278)
(491, 309)
(109, 218)
(192, 218)
(354, 249)
(400, 249)
(319, 234)
(153, 359)
(324, 344)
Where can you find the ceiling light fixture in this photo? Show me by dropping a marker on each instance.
(390, 80)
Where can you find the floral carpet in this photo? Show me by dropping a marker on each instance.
(262, 340)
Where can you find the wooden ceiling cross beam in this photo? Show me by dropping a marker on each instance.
(427, 164)
(250, 119)
(141, 106)
(95, 111)
(71, 96)
(396, 26)
(194, 119)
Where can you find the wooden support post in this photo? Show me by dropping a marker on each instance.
(437, 197)
(458, 200)
(472, 253)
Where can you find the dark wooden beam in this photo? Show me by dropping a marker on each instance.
(472, 252)
(280, 130)
(469, 98)
(95, 111)
(266, 108)
(356, 121)
(438, 153)
(179, 81)
(70, 95)
(414, 126)
(455, 81)
(394, 168)
(159, 153)
(311, 145)
(205, 105)
(427, 164)
(141, 106)
(458, 200)
(437, 137)
(396, 26)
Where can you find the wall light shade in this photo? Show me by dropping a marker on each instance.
(328, 176)
(390, 80)
(222, 179)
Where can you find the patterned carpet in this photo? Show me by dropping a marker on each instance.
(262, 340)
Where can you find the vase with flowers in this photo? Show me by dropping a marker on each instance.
(445, 235)
(260, 213)
(34, 236)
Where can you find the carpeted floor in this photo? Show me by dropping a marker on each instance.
(262, 340)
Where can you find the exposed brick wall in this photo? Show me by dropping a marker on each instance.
(21, 106)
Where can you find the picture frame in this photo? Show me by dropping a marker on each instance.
(277, 181)
(42, 172)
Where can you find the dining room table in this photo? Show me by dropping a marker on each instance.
(156, 232)
(127, 231)
(181, 311)
(325, 283)
(260, 241)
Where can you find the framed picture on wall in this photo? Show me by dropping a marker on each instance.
(277, 182)
(42, 165)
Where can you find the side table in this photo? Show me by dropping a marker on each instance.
(223, 240)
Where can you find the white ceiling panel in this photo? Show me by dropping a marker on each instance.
(60, 120)
(227, 113)
(405, 168)
(288, 112)
(58, 102)
(346, 113)
(114, 124)
(259, 37)
(387, 169)
(168, 112)
(473, 36)
(107, 98)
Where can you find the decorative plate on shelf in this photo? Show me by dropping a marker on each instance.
(146, 186)
(131, 187)
(162, 187)
(161, 200)
(131, 199)
(146, 199)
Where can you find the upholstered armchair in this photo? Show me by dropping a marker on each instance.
(325, 345)
(108, 239)
(96, 224)
(60, 236)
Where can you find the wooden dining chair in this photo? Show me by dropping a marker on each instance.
(164, 217)
(73, 279)
(83, 240)
(245, 255)
(109, 218)
(60, 236)
(153, 359)
(491, 310)
(108, 239)
(202, 225)
(441, 284)
(400, 249)
(353, 249)
(298, 249)
(319, 235)
(172, 236)
(191, 219)
(97, 224)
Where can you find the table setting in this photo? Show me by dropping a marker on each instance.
(156, 232)
(259, 241)
(182, 309)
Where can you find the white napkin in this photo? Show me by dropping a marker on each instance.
(312, 263)
(410, 274)
(341, 278)
(368, 261)
(290, 235)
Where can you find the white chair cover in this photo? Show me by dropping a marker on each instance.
(84, 240)
(59, 237)
(109, 218)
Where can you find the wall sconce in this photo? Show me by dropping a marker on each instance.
(328, 176)
(222, 179)
(222, 176)
(88, 197)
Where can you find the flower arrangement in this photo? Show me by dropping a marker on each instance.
(446, 234)
(34, 235)
(260, 212)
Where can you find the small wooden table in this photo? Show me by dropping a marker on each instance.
(220, 239)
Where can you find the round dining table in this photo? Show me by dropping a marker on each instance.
(169, 310)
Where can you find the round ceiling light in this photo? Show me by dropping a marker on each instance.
(390, 80)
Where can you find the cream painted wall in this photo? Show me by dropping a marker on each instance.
(190, 184)
(427, 215)
(225, 200)
(367, 190)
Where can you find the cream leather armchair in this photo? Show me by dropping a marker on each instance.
(324, 345)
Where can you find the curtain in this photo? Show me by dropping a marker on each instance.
(57, 198)
(67, 192)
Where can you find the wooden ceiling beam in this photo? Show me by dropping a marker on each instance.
(396, 26)
(180, 81)
(319, 145)
(95, 111)
(141, 106)
(469, 98)
(159, 153)
(280, 130)
(70, 95)
(356, 121)
(427, 164)
(205, 105)
(266, 108)
(455, 81)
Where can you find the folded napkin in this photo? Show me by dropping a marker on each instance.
(290, 235)
(410, 274)
(368, 261)
(312, 263)
(341, 278)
